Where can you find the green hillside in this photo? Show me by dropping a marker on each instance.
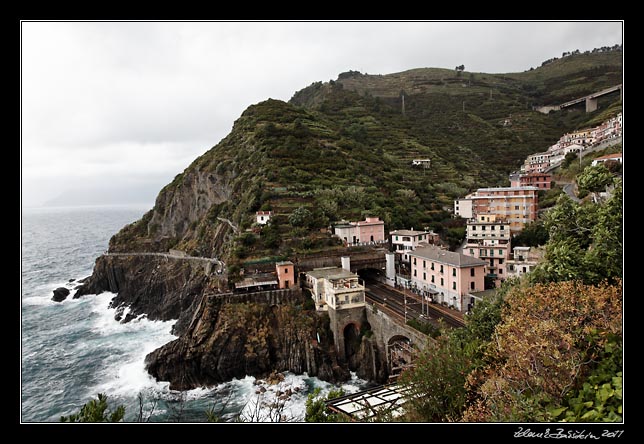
(343, 149)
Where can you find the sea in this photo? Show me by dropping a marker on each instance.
(74, 350)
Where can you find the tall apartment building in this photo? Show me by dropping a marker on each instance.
(517, 205)
(488, 238)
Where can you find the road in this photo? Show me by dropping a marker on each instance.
(568, 189)
(220, 265)
(385, 296)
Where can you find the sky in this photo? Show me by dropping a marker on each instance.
(112, 111)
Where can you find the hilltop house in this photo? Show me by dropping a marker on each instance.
(262, 217)
(446, 277)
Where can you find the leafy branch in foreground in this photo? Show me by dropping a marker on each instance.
(95, 411)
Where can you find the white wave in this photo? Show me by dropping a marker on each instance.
(125, 375)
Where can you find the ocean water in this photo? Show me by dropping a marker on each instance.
(73, 350)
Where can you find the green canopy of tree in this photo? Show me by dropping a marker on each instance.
(96, 410)
(594, 179)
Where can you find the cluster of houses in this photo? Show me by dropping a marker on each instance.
(575, 142)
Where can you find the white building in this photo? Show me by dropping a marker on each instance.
(523, 261)
(262, 217)
(405, 241)
(488, 238)
(334, 287)
(617, 157)
(463, 208)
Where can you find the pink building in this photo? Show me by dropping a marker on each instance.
(447, 277)
(285, 274)
(366, 231)
(543, 181)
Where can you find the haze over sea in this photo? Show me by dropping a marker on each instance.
(73, 350)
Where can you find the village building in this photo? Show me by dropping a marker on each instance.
(405, 241)
(523, 260)
(447, 277)
(285, 274)
(517, 205)
(262, 217)
(368, 231)
(617, 157)
(488, 238)
(334, 287)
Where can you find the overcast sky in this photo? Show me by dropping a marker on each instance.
(111, 112)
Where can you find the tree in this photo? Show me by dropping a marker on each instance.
(96, 411)
(552, 337)
(594, 179)
(533, 235)
(316, 410)
(585, 241)
(301, 217)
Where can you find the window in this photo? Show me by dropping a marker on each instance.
(454, 272)
(474, 228)
(472, 286)
(491, 252)
(471, 251)
(424, 264)
(442, 282)
(286, 271)
(414, 273)
(502, 227)
(500, 261)
(396, 237)
(500, 252)
(482, 252)
(524, 269)
(432, 278)
(424, 276)
(432, 267)
(493, 228)
(453, 285)
(472, 271)
(516, 207)
(441, 268)
(511, 267)
(483, 228)
(500, 270)
(414, 261)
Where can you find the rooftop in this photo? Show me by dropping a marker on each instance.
(408, 232)
(330, 273)
(610, 156)
(283, 263)
(255, 280)
(447, 257)
(509, 189)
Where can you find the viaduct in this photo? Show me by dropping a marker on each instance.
(590, 100)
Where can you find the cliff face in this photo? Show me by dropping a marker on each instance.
(161, 288)
(228, 340)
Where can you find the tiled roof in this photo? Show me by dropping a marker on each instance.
(447, 257)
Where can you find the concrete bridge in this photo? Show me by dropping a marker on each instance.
(590, 100)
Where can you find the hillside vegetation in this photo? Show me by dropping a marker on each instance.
(343, 149)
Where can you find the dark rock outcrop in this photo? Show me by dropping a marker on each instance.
(228, 340)
(60, 294)
(161, 288)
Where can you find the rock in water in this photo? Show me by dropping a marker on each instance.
(60, 294)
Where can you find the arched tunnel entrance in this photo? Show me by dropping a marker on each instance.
(351, 344)
(400, 354)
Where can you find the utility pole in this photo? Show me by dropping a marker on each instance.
(403, 103)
